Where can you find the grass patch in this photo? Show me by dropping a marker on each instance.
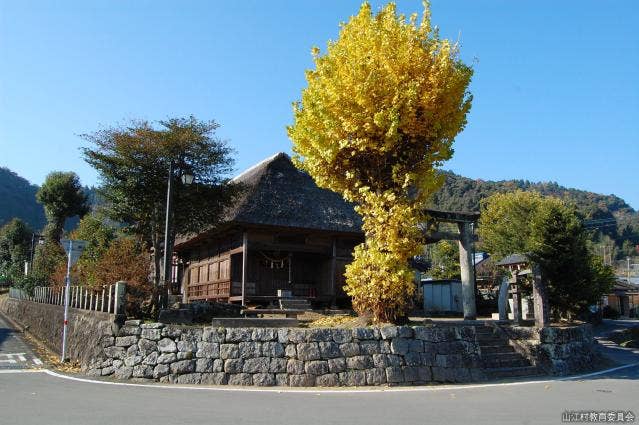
(348, 322)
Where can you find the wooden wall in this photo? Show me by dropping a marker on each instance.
(214, 269)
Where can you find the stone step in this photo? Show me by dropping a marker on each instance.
(497, 348)
(504, 360)
(295, 303)
(490, 340)
(484, 330)
(295, 307)
(511, 372)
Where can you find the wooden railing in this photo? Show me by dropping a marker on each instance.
(110, 299)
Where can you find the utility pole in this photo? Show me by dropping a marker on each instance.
(628, 270)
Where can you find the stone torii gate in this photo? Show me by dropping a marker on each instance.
(466, 238)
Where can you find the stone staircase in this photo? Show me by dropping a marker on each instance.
(295, 304)
(499, 358)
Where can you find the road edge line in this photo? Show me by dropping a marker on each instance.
(372, 390)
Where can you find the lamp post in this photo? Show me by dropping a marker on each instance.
(28, 269)
(187, 179)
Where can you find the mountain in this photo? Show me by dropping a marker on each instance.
(17, 199)
(463, 194)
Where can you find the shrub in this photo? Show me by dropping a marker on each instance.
(127, 260)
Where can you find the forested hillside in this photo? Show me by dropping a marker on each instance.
(463, 194)
(17, 199)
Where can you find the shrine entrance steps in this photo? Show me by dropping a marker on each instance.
(295, 304)
(499, 359)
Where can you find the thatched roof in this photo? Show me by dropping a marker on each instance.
(278, 194)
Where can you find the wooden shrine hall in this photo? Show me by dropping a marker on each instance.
(286, 234)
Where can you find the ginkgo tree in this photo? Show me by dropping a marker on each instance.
(378, 116)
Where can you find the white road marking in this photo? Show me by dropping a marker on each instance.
(336, 390)
(10, 357)
(8, 371)
(37, 361)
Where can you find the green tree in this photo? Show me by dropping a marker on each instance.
(133, 163)
(505, 222)
(62, 197)
(380, 113)
(550, 233)
(49, 258)
(15, 247)
(445, 261)
(94, 229)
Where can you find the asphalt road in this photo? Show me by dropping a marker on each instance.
(35, 397)
(14, 352)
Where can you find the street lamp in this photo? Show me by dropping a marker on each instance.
(187, 179)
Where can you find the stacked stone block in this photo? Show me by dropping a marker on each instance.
(391, 355)
(558, 350)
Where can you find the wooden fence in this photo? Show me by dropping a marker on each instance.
(108, 300)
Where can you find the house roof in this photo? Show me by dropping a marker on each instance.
(278, 194)
(622, 285)
(513, 259)
(480, 257)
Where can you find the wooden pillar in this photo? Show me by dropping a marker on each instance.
(540, 299)
(290, 269)
(466, 264)
(333, 271)
(184, 278)
(244, 265)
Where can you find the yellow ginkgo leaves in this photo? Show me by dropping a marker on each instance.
(379, 114)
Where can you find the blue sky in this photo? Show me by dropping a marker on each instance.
(556, 87)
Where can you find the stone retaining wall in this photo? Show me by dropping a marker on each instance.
(289, 356)
(558, 350)
(45, 321)
(391, 355)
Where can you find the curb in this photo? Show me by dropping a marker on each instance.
(319, 390)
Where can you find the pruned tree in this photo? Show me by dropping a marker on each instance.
(380, 113)
(62, 197)
(133, 163)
